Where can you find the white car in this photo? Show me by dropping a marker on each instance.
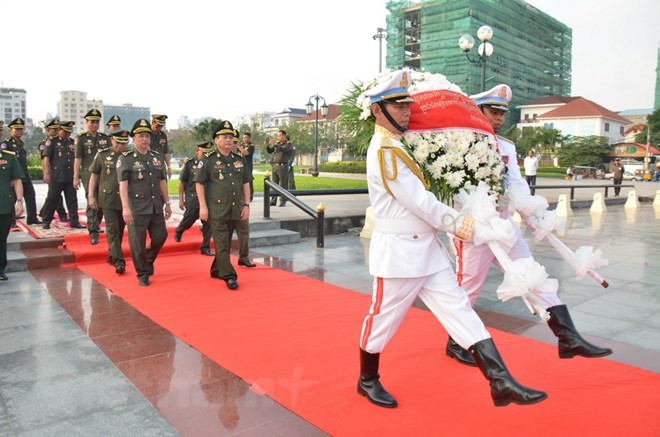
(627, 176)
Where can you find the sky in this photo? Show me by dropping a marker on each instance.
(230, 59)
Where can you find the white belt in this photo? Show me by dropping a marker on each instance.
(412, 225)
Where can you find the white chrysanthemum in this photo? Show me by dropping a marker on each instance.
(455, 179)
(472, 161)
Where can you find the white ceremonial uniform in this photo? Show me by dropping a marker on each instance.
(407, 259)
(473, 262)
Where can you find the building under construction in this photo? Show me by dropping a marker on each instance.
(532, 51)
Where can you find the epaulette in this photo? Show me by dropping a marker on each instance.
(103, 150)
(237, 154)
(8, 151)
(187, 160)
(386, 142)
(207, 154)
(103, 134)
(128, 152)
(80, 134)
(154, 152)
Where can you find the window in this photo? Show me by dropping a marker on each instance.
(607, 127)
(534, 116)
(621, 130)
(526, 117)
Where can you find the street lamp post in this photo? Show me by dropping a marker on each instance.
(309, 107)
(485, 33)
(380, 35)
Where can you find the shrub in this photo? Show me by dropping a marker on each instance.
(344, 167)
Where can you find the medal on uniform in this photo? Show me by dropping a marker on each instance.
(89, 151)
(108, 171)
(221, 176)
(59, 154)
(140, 177)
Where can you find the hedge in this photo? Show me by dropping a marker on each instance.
(344, 167)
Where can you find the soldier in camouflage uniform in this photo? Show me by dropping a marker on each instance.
(143, 189)
(52, 127)
(188, 199)
(87, 144)
(104, 182)
(11, 201)
(159, 140)
(58, 174)
(223, 190)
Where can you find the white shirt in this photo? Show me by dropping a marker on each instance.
(405, 253)
(531, 164)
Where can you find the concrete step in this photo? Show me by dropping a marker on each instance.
(33, 259)
(269, 237)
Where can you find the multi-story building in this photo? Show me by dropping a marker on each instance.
(73, 105)
(532, 50)
(281, 119)
(12, 104)
(128, 113)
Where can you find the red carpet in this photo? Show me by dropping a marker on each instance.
(296, 339)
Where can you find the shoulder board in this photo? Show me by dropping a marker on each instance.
(207, 154)
(103, 150)
(506, 140)
(80, 134)
(9, 152)
(127, 153)
(154, 152)
(386, 143)
(187, 160)
(103, 134)
(237, 154)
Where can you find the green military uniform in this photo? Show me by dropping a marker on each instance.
(223, 178)
(159, 143)
(60, 153)
(191, 214)
(17, 146)
(144, 173)
(61, 212)
(280, 163)
(86, 148)
(105, 166)
(10, 170)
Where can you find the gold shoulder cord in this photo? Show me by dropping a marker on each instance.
(386, 144)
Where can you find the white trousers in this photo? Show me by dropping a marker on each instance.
(392, 297)
(473, 263)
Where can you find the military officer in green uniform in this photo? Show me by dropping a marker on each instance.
(142, 178)
(188, 199)
(159, 139)
(281, 156)
(114, 124)
(14, 143)
(58, 174)
(87, 144)
(52, 127)
(11, 185)
(223, 190)
(104, 182)
(243, 226)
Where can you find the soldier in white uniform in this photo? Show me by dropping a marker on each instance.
(407, 260)
(473, 262)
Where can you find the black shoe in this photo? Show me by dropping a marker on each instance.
(143, 281)
(34, 222)
(463, 356)
(3, 276)
(369, 384)
(570, 342)
(120, 268)
(46, 225)
(93, 239)
(64, 219)
(177, 237)
(77, 226)
(232, 284)
(246, 263)
(150, 270)
(207, 252)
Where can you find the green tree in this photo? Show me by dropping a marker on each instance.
(203, 131)
(653, 121)
(32, 138)
(589, 151)
(182, 143)
(356, 132)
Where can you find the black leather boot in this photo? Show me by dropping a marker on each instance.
(504, 389)
(571, 342)
(369, 383)
(454, 350)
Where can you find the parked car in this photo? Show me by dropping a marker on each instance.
(627, 176)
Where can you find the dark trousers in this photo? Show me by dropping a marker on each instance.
(30, 201)
(280, 177)
(190, 216)
(243, 235)
(292, 179)
(222, 232)
(617, 188)
(5, 225)
(114, 232)
(531, 180)
(94, 216)
(61, 212)
(55, 190)
(143, 258)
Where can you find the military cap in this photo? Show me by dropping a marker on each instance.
(225, 127)
(159, 119)
(53, 124)
(141, 125)
(497, 97)
(67, 126)
(206, 146)
(93, 114)
(392, 89)
(114, 120)
(236, 135)
(17, 123)
(121, 136)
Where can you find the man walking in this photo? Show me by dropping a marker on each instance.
(11, 201)
(531, 164)
(281, 151)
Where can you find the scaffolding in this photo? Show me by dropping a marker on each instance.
(532, 50)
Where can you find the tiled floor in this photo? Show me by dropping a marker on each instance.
(76, 360)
